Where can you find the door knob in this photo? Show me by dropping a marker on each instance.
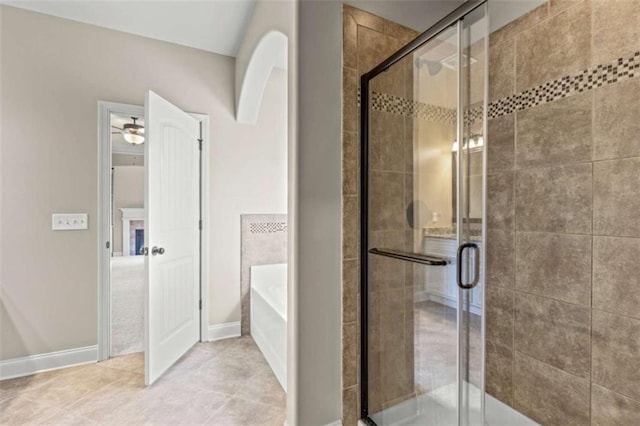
(157, 250)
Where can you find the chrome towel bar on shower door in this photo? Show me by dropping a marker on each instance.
(423, 259)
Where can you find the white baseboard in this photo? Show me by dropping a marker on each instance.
(32, 364)
(224, 331)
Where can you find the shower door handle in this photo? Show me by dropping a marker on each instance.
(476, 267)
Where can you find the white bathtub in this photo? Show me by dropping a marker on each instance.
(269, 316)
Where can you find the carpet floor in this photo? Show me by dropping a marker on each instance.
(127, 304)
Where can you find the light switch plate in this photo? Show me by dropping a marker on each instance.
(69, 221)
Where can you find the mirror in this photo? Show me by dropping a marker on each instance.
(473, 174)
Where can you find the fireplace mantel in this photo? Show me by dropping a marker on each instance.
(128, 215)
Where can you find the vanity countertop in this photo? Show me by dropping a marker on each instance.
(449, 233)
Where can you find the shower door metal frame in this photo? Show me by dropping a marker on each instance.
(450, 20)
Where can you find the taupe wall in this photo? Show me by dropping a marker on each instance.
(316, 215)
(128, 192)
(562, 306)
(54, 72)
(248, 176)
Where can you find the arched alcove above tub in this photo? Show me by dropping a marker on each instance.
(270, 52)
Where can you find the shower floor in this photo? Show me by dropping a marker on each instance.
(438, 408)
(435, 404)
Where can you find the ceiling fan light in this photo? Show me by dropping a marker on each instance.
(133, 138)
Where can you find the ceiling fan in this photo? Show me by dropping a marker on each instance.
(132, 132)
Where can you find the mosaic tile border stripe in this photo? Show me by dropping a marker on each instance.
(622, 69)
(410, 108)
(267, 227)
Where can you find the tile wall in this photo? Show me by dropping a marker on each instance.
(563, 321)
(562, 305)
(367, 40)
(263, 241)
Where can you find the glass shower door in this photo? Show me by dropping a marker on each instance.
(470, 157)
(422, 248)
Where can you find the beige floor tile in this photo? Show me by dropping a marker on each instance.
(182, 403)
(189, 362)
(130, 362)
(12, 387)
(222, 377)
(218, 346)
(66, 389)
(264, 388)
(18, 411)
(62, 418)
(202, 384)
(108, 401)
(246, 353)
(5, 394)
(239, 412)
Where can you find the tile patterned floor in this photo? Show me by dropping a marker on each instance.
(435, 349)
(223, 383)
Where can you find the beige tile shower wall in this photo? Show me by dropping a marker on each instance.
(563, 327)
(368, 40)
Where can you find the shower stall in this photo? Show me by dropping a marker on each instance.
(423, 210)
(498, 224)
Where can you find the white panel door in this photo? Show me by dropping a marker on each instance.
(172, 201)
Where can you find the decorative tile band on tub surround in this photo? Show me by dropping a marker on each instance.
(263, 240)
(267, 227)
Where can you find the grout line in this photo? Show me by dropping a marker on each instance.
(616, 314)
(514, 242)
(228, 400)
(586, 307)
(573, 234)
(599, 160)
(552, 166)
(553, 366)
(591, 318)
(593, 115)
(635, 399)
(527, 231)
(630, 157)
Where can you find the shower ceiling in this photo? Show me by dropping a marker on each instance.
(420, 15)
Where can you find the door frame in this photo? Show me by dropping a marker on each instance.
(105, 109)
